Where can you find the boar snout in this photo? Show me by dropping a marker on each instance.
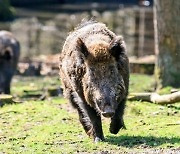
(106, 104)
(108, 111)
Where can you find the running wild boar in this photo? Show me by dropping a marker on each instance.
(9, 55)
(94, 70)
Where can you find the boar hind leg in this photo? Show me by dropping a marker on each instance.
(117, 121)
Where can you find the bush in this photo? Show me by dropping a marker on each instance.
(6, 11)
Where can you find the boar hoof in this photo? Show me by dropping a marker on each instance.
(97, 139)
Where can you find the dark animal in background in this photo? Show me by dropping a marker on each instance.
(94, 71)
(9, 55)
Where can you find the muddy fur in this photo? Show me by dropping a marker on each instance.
(9, 55)
(94, 71)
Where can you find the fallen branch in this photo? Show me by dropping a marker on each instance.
(156, 98)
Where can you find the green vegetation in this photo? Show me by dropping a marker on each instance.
(141, 83)
(52, 126)
(6, 11)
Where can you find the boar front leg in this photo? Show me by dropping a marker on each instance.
(117, 121)
(96, 130)
(88, 117)
(83, 115)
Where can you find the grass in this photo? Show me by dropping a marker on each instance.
(52, 126)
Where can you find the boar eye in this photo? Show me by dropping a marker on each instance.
(103, 67)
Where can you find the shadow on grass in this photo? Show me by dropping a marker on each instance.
(134, 141)
(174, 107)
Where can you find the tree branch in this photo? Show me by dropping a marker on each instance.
(156, 98)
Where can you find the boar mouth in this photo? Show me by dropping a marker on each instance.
(108, 114)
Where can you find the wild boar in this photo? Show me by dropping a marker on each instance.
(9, 55)
(94, 71)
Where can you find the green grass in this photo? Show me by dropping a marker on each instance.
(141, 83)
(52, 126)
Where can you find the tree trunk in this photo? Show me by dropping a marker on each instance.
(167, 42)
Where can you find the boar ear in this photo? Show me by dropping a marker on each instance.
(8, 54)
(82, 47)
(117, 47)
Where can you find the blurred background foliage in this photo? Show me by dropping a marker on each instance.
(41, 26)
(6, 11)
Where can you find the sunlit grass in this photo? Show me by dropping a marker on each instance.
(52, 126)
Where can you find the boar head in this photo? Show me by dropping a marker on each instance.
(103, 83)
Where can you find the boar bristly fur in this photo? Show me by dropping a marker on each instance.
(9, 55)
(94, 71)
